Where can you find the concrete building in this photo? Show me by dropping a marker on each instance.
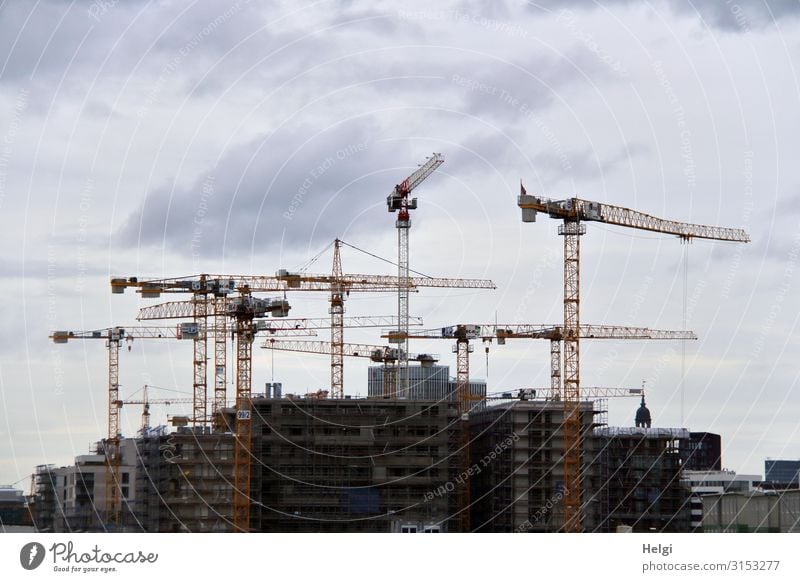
(184, 481)
(782, 472)
(704, 452)
(700, 483)
(752, 512)
(354, 466)
(642, 486)
(516, 453)
(430, 382)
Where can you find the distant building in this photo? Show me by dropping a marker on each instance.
(72, 498)
(783, 472)
(704, 452)
(429, 382)
(643, 418)
(702, 483)
(642, 487)
(13, 509)
(752, 512)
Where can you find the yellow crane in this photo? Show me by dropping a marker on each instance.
(463, 334)
(342, 284)
(146, 401)
(209, 300)
(336, 324)
(574, 213)
(339, 285)
(113, 336)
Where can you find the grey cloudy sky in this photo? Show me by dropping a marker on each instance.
(164, 138)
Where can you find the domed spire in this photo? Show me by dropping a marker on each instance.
(643, 418)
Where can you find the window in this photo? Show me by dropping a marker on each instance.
(126, 478)
(431, 529)
(408, 529)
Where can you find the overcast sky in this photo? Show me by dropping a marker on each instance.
(171, 138)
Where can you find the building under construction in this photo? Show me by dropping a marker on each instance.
(322, 465)
(643, 468)
(374, 465)
(425, 455)
(183, 481)
(517, 449)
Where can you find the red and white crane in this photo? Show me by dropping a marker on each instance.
(398, 201)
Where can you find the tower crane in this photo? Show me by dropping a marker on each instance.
(555, 333)
(398, 201)
(146, 401)
(113, 336)
(337, 284)
(209, 299)
(183, 310)
(337, 323)
(575, 212)
(464, 333)
(340, 287)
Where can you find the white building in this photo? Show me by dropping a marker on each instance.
(702, 483)
(72, 498)
(754, 511)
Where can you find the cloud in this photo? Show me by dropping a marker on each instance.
(740, 15)
(290, 187)
(734, 16)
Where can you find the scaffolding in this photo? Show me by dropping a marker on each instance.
(353, 465)
(642, 486)
(184, 481)
(517, 449)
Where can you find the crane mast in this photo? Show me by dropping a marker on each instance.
(199, 384)
(112, 448)
(574, 212)
(337, 325)
(113, 336)
(243, 316)
(572, 230)
(220, 311)
(398, 201)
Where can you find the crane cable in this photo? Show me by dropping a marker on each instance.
(383, 259)
(685, 323)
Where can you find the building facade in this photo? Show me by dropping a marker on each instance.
(14, 511)
(185, 481)
(354, 466)
(516, 455)
(430, 382)
(73, 498)
(642, 486)
(752, 512)
(782, 472)
(702, 483)
(704, 452)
